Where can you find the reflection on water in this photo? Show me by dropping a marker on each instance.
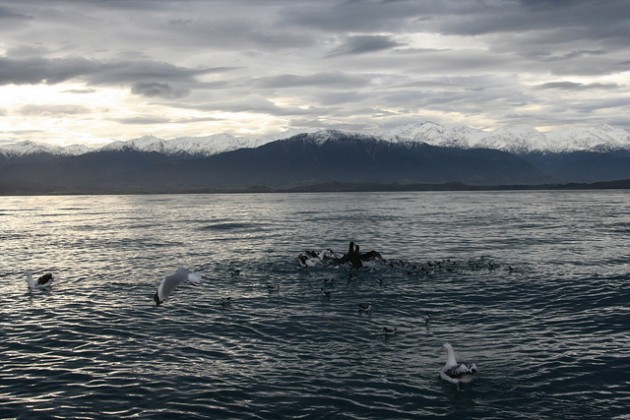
(549, 335)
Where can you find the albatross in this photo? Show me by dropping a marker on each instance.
(43, 282)
(454, 372)
(170, 282)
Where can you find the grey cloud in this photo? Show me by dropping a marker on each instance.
(345, 63)
(328, 80)
(7, 13)
(40, 70)
(362, 44)
(147, 120)
(142, 120)
(577, 86)
(153, 89)
(147, 78)
(53, 110)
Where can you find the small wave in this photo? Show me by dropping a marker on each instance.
(229, 226)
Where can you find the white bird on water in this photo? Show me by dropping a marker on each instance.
(170, 282)
(43, 282)
(454, 372)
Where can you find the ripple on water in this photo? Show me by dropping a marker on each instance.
(549, 336)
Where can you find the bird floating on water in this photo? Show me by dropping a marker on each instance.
(389, 331)
(454, 372)
(43, 282)
(226, 301)
(170, 282)
(326, 293)
(365, 307)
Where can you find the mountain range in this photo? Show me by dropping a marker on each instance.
(425, 153)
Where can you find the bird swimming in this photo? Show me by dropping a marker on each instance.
(365, 307)
(43, 282)
(326, 293)
(170, 282)
(454, 372)
(389, 331)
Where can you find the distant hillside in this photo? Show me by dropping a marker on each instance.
(512, 139)
(302, 161)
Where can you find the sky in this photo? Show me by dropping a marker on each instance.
(94, 71)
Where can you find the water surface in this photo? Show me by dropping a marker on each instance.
(536, 295)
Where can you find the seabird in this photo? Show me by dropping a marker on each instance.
(365, 307)
(454, 372)
(272, 287)
(389, 331)
(42, 282)
(170, 282)
(326, 293)
(225, 301)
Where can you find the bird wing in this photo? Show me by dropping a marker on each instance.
(461, 370)
(194, 278)
(170, 282)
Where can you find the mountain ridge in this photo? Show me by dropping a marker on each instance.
(512, 139)
(319, 158)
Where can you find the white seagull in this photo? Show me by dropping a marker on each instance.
(170, 282)
(456, 373)
(43, 282)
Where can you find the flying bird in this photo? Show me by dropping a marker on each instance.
(170, 282)
(43, 282)
(454, 372)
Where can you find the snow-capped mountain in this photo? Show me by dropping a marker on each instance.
(600, 138)
(512, 139)
(24, 148)
(203, 146)
(433, 134)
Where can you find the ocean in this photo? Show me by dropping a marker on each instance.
(533, 287)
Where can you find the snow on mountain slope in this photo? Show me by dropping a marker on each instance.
(600, 138)
(24, 148)
(433, 134)
(513, 139)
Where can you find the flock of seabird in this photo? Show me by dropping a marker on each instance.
(452, 371)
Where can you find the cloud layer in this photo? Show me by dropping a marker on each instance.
(97, 70)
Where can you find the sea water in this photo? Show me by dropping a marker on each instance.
(533, 287)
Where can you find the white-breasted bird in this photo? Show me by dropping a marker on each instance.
(454, 372)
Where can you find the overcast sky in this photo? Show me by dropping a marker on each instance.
(96, 71)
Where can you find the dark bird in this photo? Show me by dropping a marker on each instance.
(365, 307)
(42, 282)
